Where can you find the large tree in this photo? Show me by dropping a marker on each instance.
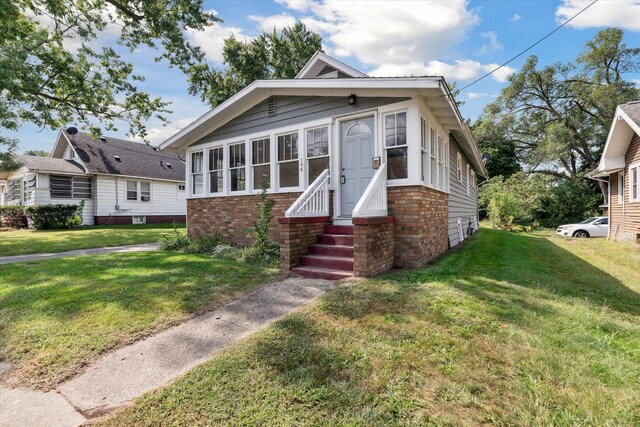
(558, 116)
(271, 55)
(55, 70)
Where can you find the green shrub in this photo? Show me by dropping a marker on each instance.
(12, 217)
(262, 250)
(55, 217)
(178, 242)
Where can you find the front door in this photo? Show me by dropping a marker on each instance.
(356, 152)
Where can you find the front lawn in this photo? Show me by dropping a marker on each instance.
(22, 242)
(512, 329)
(56, 315)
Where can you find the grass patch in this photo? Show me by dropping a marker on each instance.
(23, 242)
(56, 315)
(513, 329)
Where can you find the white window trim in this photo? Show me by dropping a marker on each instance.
(227, 165)
(459, 167)
(621, 187)
(424, 150)
(192, 174)
(305, 148)
(383, 140)
(300, 160)
(252, 165)
(468, 186)
(635, 166)
(138, 183)
(473, 179)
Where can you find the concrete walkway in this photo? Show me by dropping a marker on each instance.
(96, 251)
(125, 374)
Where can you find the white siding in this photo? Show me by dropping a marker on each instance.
(112, 200)
(43, 197)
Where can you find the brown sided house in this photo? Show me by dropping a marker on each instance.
(621, 163)
(367, 173)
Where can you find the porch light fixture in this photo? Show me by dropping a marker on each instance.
(352, 99)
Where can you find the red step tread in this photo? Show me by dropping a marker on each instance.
(335, 239)
(331, 250)
(324, 261)
(338, 229)
(322, 273)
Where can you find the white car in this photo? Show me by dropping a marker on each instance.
(592, 227)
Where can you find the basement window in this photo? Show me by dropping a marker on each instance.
(139, 219)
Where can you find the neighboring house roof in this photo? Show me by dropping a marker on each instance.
(115, 156)
(48, 164)
(626, 122)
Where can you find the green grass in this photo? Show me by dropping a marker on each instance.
(57, 315)
(511, 329)
(23, 242)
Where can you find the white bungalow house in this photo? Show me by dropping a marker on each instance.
(367, 173)
(121, 182)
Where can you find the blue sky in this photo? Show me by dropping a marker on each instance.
(461, 40)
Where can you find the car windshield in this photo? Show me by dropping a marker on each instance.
(587, 221)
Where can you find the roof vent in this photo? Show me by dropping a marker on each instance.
(271, 107)
(115, 156)
(169, 165)
(103, 138)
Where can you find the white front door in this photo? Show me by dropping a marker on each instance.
(356, 152)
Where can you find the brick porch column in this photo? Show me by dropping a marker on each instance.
(373, 245)
(296, 234)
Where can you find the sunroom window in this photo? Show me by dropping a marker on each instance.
(395, 134)
(237, 167)
(424, 151)
(196, 173)
(441, 177)
(433, 154)
(288, 160)
(317, 152)
(216, 166)
(260, 159)
(634, 183)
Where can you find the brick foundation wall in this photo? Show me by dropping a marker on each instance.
(233, 216)
(150, 219)
(373, 245)
(296, 234)
(421, 224)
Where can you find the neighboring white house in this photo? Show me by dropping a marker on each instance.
(387, 161)
(121, 182)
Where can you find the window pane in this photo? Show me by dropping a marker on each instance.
(145, 191)
(236, 155)
(197, 183)
(215, 182)
(316, 166)
(216, 159)
(260, 151)
(238, 179)
(288, 146)
(288, 173)
(425, 166)
(261, 176)
(196, 162)
(59, 187)
(81, 188)
(397, 163)
(401, 128)
(318, 142)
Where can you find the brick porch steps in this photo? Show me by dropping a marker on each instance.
(332, 257)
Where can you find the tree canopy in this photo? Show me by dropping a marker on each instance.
(557, 117)
(54, 71)
(271, 55)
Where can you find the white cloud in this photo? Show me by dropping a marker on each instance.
(515, 17)
(476, 95)
(392, 32)
(492, 45)
(299, 5)
(160, 133)
(620, 13)
(636, 82)
(461, 69)
(268, 23)
(211, 39)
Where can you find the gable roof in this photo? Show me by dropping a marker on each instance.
(115, 156)
(318, 64)
(48, 164)
(626, 122)
(434, 89)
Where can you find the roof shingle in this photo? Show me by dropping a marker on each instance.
(632, 109)
(121, 157)
(48, 164)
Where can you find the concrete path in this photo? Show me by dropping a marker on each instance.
(95, 251)
(127, 373)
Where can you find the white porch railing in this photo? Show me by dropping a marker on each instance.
(374, 200)
(315, 199)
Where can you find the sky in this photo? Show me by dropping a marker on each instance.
(458, 39)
